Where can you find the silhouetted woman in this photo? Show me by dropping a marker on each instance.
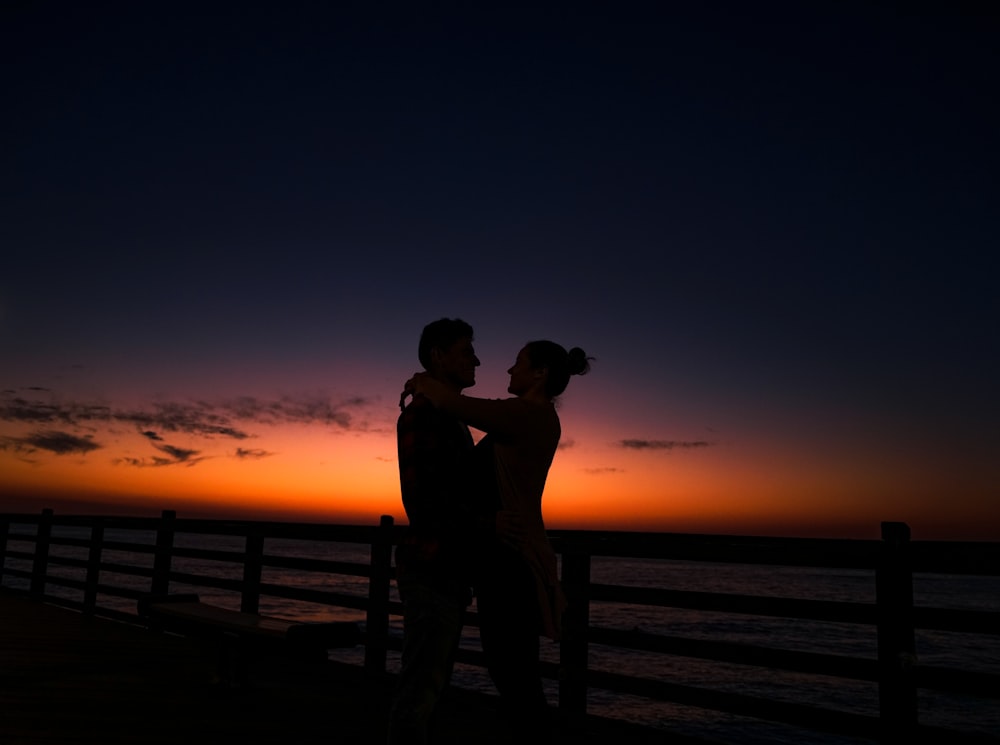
(518, 593)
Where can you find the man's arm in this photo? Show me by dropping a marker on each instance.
(418, 448)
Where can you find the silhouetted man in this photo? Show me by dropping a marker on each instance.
(434, 559)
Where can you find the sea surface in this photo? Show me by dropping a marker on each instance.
(970, 714)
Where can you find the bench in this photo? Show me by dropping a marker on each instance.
(239, 635)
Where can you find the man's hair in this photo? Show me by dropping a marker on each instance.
(441, 334)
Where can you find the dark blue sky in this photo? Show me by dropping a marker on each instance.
(747, 211)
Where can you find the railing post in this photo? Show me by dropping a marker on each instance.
(377, 621)
(253, 567)
(4, 538)
(573, 649)
(40, 565)
(164, 553)
(896, 637)
(93, 566)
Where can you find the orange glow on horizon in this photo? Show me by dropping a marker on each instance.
(354, 479)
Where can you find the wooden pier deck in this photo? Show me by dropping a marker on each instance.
(68, 678)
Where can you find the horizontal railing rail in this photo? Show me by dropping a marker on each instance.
(101, 565)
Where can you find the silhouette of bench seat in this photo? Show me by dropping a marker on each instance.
(240, 634)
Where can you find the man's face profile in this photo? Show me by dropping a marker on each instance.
(458, 364)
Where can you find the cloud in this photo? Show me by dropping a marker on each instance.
(245, 454)
(663, 444)
(60, 443)
(176, 456)
(143, 463)
(566, 444)
(227, 418)
(16, 409)
(180, 455)
(194, 419)
(602, 471)
(296, 410)
(231, 419)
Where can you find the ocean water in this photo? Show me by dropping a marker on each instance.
(940, 649)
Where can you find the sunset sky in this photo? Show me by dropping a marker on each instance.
(774, 225)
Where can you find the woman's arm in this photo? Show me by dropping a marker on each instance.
(499, 416)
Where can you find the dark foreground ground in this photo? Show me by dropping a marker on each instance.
(66, 678)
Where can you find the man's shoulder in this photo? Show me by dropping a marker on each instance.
(423, 421)
(418, 407)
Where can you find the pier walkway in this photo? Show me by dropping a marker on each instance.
(68, 678)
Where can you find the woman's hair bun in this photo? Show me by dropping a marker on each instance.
(579, 362)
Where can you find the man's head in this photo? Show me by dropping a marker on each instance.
(446, 352)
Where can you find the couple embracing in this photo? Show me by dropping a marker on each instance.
(475, 526)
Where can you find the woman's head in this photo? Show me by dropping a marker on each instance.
(557, 364)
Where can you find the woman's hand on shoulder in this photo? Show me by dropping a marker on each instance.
(409, 389)
(422, 384)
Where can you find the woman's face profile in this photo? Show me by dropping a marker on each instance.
(522, 374)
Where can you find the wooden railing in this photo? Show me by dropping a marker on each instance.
(83, 562)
